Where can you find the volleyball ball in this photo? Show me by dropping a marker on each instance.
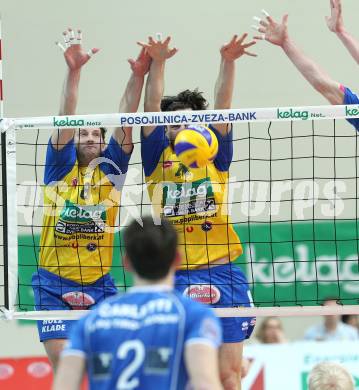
(196, 146)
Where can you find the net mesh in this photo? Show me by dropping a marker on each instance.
(292, 199)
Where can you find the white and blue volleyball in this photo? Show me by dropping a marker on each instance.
(196, 146)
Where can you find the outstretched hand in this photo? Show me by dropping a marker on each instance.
(74, 53)
(141, 65)
(335, 21)
(158, 50)
(273, 32)
(236, 48)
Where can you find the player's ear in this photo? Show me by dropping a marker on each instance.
(126, 263)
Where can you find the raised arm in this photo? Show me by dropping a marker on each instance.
(159, 52)
(336, 25)
(230, 52)
(76, 58)
(277, 34)
(203, 368)
(132, 96)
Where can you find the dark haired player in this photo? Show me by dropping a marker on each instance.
(195, 201)
(151, 337)
(81, 203)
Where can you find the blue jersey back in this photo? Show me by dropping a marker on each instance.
(136, 341)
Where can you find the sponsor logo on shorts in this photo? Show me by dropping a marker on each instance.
(245, 325)
(204, 293)
(189, 229)
(6, 371)
(74, 182)
(39, 369)
(167, 164)
(78, 300)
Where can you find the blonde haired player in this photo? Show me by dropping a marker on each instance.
(193, 200)
(81, 202)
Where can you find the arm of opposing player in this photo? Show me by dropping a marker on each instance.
(73, 360)
(202, 340)
(313, 73)
(131, 98)
(69, 373)
(202, 365)
(335, 24)
(277, 34)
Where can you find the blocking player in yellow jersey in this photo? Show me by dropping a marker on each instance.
(194, 200)
(83, 178)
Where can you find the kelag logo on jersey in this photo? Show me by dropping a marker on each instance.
(188, 198)
(76, 218)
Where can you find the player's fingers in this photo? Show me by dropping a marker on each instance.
(259, 37)
(262, 30)
(66, 39)
(232, 41)
(71, 36)
(92, 52)
(250, 53)
(167, 41)
(151, 40)
(245, 46)
(158, 37)
(264, 23)
(79, 37)
(242, 38)
(172, 52)
(131, 61)
(285, 19)
(142, 44)
(265, 13)
(60, 46)
(255, 27)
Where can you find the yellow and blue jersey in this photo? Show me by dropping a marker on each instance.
(193, 199)
(351, 98)
(80, 210)
(137, 340)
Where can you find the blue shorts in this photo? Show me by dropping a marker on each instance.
(220, 286)
(51, 292)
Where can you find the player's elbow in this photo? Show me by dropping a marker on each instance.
(330, 90)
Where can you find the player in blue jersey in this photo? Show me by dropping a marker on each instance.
(151, 337)
(82, 183)
(333, 91)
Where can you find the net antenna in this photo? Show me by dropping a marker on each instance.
(9, 202)
(288, 115)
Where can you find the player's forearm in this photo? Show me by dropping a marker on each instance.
(69, 95)
(316, 76)
(225, 85)
(132, 96)
(350, 43)
(155, 86)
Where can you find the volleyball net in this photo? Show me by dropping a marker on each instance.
(291, 196)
